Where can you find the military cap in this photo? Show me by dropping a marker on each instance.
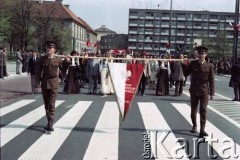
(202, 49)
(51, 44)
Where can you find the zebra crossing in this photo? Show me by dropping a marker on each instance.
(104, 140)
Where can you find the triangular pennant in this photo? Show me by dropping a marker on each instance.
(125, 78)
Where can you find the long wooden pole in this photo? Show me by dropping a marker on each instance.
(114, 58)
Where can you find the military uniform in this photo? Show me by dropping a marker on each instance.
(202, 85)
(48, 76)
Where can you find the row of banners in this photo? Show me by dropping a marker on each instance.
(125, 79)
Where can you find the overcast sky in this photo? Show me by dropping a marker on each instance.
(114, 13)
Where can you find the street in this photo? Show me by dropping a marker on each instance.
(90, 126)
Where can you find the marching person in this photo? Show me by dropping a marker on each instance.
(202, 85)
(32, 68)
(47, 74)
(92, 72)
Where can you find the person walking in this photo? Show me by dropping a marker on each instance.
(177, 75)
(92, 72)
(18, 61)
(235, 79)
(202, 85)
(48, 74)
(32, 68)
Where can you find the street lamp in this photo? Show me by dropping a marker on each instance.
(170, 27)
(235, 31)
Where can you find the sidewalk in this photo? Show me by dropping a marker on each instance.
(11, 70)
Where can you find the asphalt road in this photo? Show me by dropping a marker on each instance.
(90, 127)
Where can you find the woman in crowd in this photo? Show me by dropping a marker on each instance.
(72, 85)
(163, 77)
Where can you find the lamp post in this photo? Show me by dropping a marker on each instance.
(235, 31)
(170, 26)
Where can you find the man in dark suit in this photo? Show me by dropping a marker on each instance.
(32, 68)
(47, 74)
(202, 85)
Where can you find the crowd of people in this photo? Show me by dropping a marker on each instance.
(91, 70)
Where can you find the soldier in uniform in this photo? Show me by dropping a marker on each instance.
(47, 74)
(202, 85)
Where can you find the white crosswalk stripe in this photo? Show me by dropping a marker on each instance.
(217, 134)
(16, 127)
(108, 124)
(15, 106)
(63, 128)
(154, 121)
(104, 141)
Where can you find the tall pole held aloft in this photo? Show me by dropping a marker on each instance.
(170, 25)
(235, 40)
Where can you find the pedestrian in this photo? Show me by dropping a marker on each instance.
(92, 72)
(202, 85)
(19, 60)
(1, 62)
(163, 75)
(177, 75)
(72, 85)
(5, 73)
(235, 80)
(48, 74)
(146, 74)
(32, 69)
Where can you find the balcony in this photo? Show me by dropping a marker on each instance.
(165, 33)
(148, 48)
(148, 25)
(133, 24)
(180, 42)
(189, 34)
(165, 25)
(133, 17)
(180, 34)
(181, 18)
(148, 17)
(197, 27)
(164, 41)
(180, 26)
(212, 27)
(212, 35)
(148, 40)
(132, 40)
(197, 19)
(132, 47)
(147, 32)
(165, 18)
(213, 20)
(132, 32)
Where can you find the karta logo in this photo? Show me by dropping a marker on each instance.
(164, 145)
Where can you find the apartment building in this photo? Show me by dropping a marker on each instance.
(149, 29)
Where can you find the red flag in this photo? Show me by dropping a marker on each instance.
(88, 43)
(125, 78)
(96, 44)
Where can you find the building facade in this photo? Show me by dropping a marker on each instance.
(150, 30)
(114, 41)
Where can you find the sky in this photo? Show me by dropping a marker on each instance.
(114, 13)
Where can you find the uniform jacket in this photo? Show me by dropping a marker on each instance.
(48, 72)
(202, 82)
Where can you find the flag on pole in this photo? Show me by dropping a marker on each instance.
(88, 43)
(125, 78)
